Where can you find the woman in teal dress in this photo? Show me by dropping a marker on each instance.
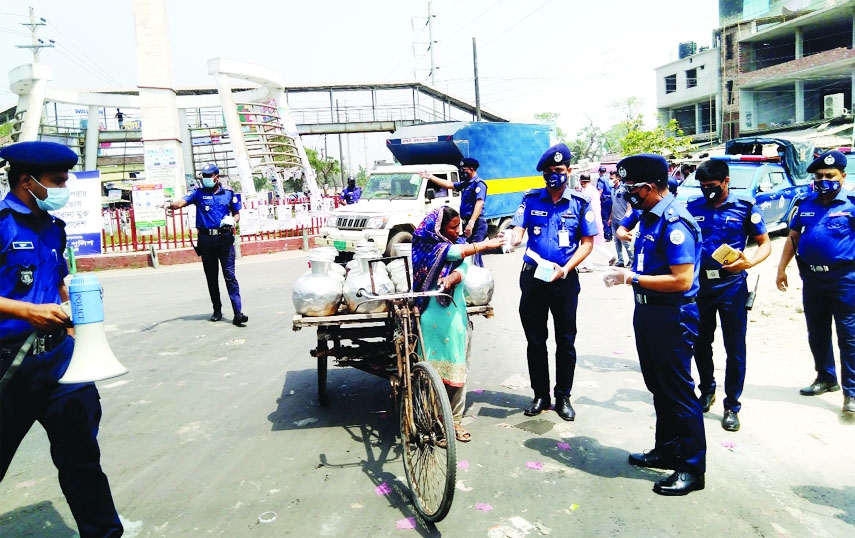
(439, 261)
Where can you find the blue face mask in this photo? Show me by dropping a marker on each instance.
(208, 182)
(56, 197)
(824, 186)
(554, 179)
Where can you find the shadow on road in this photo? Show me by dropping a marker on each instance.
(841, 499)
(613, 403)
(588, 455)
(40, 519)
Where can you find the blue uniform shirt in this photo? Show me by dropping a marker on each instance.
(32, 265)
(211, 207)
(667, 235)
(603, 184)
(544, 220)
(827, 233)
(732, 222)
(472, 190)
(351, 196)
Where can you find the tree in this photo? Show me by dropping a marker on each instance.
(326, 169)
(551, 119)
(630, 136)
(588, 144)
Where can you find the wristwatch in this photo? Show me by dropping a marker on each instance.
(635, 278)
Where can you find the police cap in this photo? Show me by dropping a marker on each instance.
(210, 169)
(643, 168)
(602, 169)
(557, 154)
(469, 162)
(37, 156)
(829, 159)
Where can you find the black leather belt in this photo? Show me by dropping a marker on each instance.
(528, 266)
(717, 274)
(827, 268)
(42, 344)
(209, 231)
(656, 300)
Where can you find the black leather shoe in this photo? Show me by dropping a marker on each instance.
(820, 387)
(679, 483)
(240, 319)
(730, 420)
(706, 401)
(849, 405)
(564, 409)
(652, 458)
(216, 316)
(538, 406)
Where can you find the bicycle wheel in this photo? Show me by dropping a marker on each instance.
(427, 436)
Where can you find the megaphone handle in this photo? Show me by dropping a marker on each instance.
(19, 358)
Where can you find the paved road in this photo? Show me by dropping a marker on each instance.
(216, 427)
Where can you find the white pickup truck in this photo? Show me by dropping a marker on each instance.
(393, 203)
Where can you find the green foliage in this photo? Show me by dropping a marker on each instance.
(6, 129)
(551, 119)
(631, 137)
(362, 176)
(262, 183)
(326, 169)
(589, 143)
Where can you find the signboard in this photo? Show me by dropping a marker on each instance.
(82, 213)
(148, 200)
(161, 166)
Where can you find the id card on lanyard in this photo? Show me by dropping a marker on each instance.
(563, 238)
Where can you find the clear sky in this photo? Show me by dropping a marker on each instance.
(566, 56)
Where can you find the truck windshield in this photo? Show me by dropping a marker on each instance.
(741, 177)
(392, 187)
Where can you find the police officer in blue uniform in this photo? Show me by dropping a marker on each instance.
(822, 239)
(351, 193)
(664, 278)
(604, 185)
(473, 193)
(561, 229)
(725, 217)
(32, 269)
(217, 212)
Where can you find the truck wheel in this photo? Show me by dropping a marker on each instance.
(505, 224)
(400, 237)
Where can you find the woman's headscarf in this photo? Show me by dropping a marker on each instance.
(429, 250)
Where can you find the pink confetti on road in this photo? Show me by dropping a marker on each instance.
(478, 391)
(536, 465)
(406, 524)
(617, 352)
(383, 489)
(563, 446)
(728, 444)
(484, 507)
(463, 465)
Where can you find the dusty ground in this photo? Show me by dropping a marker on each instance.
(216, 430)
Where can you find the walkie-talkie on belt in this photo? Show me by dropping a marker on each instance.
(749, 303)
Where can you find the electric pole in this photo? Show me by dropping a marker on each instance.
(36, 43)
(477, 89)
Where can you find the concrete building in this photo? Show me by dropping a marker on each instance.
(783, 66)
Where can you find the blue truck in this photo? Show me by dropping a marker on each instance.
(395, 198)
(772, 170)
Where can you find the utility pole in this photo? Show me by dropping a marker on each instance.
(431, 44)
(36, 43)
(477, 89)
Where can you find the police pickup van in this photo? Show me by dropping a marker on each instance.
(772, 170)
(396, 199)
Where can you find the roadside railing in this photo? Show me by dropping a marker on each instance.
(260, 221)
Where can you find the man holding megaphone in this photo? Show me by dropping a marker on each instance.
(34, 343)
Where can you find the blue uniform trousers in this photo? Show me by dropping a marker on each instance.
(826, 296)
(219, 250)
(664, 337)
(726, 298)
(70, 414)
(537, 300)
(479, 233)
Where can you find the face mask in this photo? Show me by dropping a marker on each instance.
(56, 197)
(554, 179)
(825, 186)
(633, 198)
(208, 182)
(712, 194)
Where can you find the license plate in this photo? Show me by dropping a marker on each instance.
(340, 245)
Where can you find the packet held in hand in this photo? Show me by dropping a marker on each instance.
(545, 268)
(611, 278)
(507, 237)
(725, 254)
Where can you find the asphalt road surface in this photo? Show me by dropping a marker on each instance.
(217, 431)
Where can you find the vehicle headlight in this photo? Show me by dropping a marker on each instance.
(376, 223)
(331, 222)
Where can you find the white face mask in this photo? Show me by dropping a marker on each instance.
(56, 197)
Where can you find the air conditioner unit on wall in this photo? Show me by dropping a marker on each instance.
(832, 105)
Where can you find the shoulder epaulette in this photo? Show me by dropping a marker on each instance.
(747, 198)
(532, 192)
(696, 200)
(581, 195)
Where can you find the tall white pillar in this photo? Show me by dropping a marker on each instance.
(224, 88)
(799, 96)
(161, 132)
(90, 160)
(29, 82)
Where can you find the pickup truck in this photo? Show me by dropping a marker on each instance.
(774, 182)
(395, 198)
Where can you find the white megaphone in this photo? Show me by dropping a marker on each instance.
(92, 359)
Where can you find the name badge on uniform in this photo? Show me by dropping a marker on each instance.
(537, 213)
(563, 238)
(639, 262)
(22, 245)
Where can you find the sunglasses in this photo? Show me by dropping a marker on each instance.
(635, 187)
